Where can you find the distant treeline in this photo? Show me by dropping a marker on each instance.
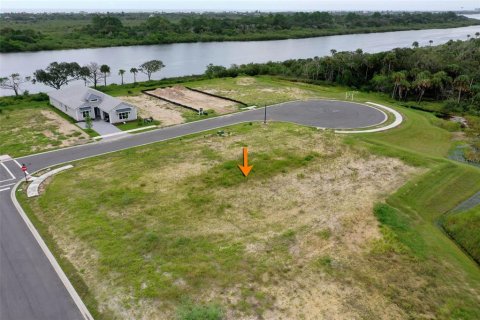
(29, 32)
(449, 72)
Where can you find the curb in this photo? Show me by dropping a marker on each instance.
(396, 123)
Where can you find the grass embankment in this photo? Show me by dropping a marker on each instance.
(464, 228)
(29, 126)
(191, 228)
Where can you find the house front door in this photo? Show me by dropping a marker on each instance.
(97, 112)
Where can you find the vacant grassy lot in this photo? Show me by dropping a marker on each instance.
(30, 127)
(262, 91)
(299, 238)
(191, 227)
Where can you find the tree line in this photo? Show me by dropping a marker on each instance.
(135, 28)
(56, 75)
(449, 72)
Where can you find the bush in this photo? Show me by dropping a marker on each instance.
(190, 311)
(39, 97)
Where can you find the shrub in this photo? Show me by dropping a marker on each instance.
(39, 97)
(190, 311)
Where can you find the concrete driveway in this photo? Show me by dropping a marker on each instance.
(101, 127)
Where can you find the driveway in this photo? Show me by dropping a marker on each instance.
(101, 127)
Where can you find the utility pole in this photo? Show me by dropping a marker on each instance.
(265, 114)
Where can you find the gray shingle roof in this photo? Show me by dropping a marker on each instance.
(77, 96)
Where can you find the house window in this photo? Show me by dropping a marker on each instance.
(85, 114)
(93, 100)
(123, 115)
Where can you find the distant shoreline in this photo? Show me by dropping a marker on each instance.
(257, 37)
(65, 33)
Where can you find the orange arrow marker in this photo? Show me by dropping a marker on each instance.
(245, 168)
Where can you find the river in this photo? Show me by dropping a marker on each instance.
(192, 58)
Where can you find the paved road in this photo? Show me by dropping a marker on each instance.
(29, 286)
(317, 113)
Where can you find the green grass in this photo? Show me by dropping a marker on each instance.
(136, 125)
(417, 135)
(189, 311)
(464, 227)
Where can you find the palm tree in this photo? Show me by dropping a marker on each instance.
(462, 84)
(439, 81)
(415, 44)
(121, 72)
(477, 34)
(398, 80)
(430, 41)
(422, 83)
(333, 51)
(134, 71)
(106, 71)
(388, 59)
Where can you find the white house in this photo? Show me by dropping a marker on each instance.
(80, 101)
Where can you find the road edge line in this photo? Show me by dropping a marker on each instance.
(51, 258)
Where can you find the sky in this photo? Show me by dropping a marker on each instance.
(233, 5)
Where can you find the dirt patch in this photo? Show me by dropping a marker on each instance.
(71, 133)
(195, 99)
(245, 81)
(167, 113)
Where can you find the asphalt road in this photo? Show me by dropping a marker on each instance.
(29, 286)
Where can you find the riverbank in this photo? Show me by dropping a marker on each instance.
(67, 44)
(37, 33)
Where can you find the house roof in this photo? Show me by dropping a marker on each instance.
(77, 96)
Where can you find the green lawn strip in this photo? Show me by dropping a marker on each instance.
(417, 134)
(138, 124)
(190, 115)
(464, 227)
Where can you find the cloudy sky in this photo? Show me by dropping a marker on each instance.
(236, 5)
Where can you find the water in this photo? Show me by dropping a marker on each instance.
(192, 58)
(473, 16)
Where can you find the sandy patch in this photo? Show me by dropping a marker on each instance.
(167, 113)
(73, 134)
(245, 81)
(195, 99)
